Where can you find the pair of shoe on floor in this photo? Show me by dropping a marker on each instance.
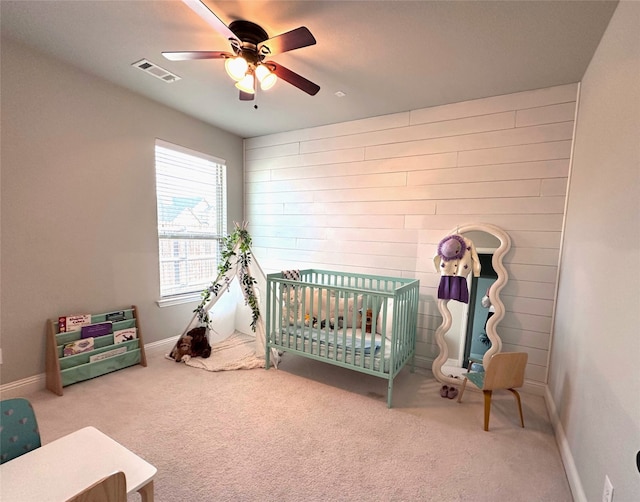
(449, 392)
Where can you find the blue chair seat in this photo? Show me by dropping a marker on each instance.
(19, 432)
(476, 378)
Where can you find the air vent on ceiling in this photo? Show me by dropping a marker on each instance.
(156, 71)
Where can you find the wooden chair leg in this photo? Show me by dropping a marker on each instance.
(146, 492)
(515, 393)
(487, 408)
(464, 384)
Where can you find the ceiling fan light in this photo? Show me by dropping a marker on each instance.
(236, 67)
(246, 84)
(268, 82)
(266, 78)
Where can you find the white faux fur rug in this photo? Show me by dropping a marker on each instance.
(237, 352)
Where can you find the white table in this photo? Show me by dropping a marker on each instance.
(61, 469)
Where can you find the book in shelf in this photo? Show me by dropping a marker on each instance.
(77, 347)
(115, 316)
(125, 335)
(95, 330)
(73, 322)
(107, 354)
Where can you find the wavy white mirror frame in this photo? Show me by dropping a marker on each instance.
(494, 296)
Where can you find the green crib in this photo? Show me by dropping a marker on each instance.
(366, 323)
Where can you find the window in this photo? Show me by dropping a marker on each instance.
(191, 193)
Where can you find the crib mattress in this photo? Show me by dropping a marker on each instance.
(346, 345)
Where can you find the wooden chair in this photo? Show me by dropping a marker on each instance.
(504, 371)
(19, 433)
(112, 488)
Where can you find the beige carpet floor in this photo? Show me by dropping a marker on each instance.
(309, 431)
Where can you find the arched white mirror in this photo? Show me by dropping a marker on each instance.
(469, 260)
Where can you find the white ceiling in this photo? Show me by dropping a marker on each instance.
(386, 56)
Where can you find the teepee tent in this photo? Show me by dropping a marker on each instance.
(231, 309)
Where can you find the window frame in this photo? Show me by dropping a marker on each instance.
(181, 297)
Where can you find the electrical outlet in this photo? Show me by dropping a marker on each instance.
(607, 493)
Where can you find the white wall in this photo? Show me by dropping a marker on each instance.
(595, 372)
(377, 195)
(78, 201)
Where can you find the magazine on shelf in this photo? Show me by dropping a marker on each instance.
(73, 322)
(77, 347)
(107, 354)
(124, 335)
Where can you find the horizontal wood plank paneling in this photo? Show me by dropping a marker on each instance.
(520, 153)
(449, 128)
(371, 247)
(471, 142)
(348, 182)
(362, 207)
(377, 195)
(545, 114)
(295, 167)
(524, 338)
(271, 152)
(551, 187)
(496, 104)
(535, 256)
(522, 188)
(533, 273)
(520, 171)
(529, 289)
(520, 320)
(543, 239)
(332, 221)
(382, 122)
(506, 205)
(508, 222)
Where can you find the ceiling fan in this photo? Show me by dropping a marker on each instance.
(251, 46)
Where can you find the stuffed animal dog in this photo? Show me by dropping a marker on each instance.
(182, 348)
(199, 342)
(332, 323)
(368, 320)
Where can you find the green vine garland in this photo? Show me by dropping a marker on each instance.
(246, 281)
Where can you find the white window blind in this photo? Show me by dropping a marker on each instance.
(191, 195)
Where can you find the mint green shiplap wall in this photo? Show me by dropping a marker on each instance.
(377, 195)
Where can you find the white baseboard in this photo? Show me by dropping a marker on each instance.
(423, 362)
(162, 346)
(20, 388)
(536, 388)
(565, 451)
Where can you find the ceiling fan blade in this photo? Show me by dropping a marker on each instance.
(293, 78)
(294, 39)
(245, 96)
(186, 56)
(207, 14)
